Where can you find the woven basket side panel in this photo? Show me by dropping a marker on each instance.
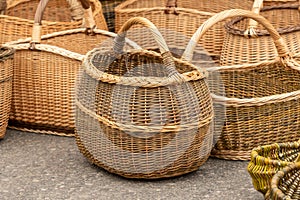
(185, 22)
(108, 7)
(239, 50)
(137, 123)
(248, 126)
(6, 72)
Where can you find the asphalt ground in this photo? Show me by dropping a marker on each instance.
(37, 166)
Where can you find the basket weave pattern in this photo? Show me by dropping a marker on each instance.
(6, 73)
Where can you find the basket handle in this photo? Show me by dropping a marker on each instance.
(257, 6)
(281, 47)
(37, 27)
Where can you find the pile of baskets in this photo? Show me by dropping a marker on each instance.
(219, 80)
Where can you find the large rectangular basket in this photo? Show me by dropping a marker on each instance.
(45, 69)
(181, 16)
(261, 100)
(6, 73)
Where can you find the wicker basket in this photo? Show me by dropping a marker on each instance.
(58, 16)
(239, 49)
(133, 118)
(285, 184)
(268, 159)
(6, 73)
(44, 77)
(183, 16)
(109, 12)
(262, 99)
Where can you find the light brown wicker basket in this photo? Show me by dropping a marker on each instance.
(285, 184)
(248, 42)
(108, 7)
(261, 99)
(44, 77)
(143, 114)
(6, 73)
(58, 16)
(268, 159)
(183, 16)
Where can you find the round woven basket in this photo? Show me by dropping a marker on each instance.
(285, 184)
(143, 114)
(6, 73)
(268, 159)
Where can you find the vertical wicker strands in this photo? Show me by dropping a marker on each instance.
(262, 99)
(6, 73)
(140, 113)
(45, 69)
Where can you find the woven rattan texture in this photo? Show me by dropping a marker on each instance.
(6, 73)
(108, 7)
(238, 49)
(43, 86)
(184, 19)
(143, 114)
(286, 183)
(18, 21)
(268, 159)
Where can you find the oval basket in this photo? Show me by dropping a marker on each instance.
(261, 99)
(143, 114)
(267, 160)
(6, 73)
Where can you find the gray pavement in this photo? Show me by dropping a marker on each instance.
(36, 166)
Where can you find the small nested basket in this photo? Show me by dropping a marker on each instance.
(248, 42)
(182, 16)
(6, 73)
(261, 99)
(285, 185)
(59, 15)
(45, 69)
(143, 114)
(108, 7)
(266, 160)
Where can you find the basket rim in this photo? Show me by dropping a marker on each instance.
(6, 53)
(230, 28)
(193, 75)
(255, 153)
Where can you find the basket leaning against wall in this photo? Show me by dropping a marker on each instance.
(6, 73)
(261, 99)
(140, 113)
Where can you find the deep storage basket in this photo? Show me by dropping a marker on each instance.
(6, 73)
(258, 45)
(183, 16)
(266, 160)
(45, 69)
(58, 16)
(285, 184)
(261, 99)
(143, 114)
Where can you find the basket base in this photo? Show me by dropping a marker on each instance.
(231, 154)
